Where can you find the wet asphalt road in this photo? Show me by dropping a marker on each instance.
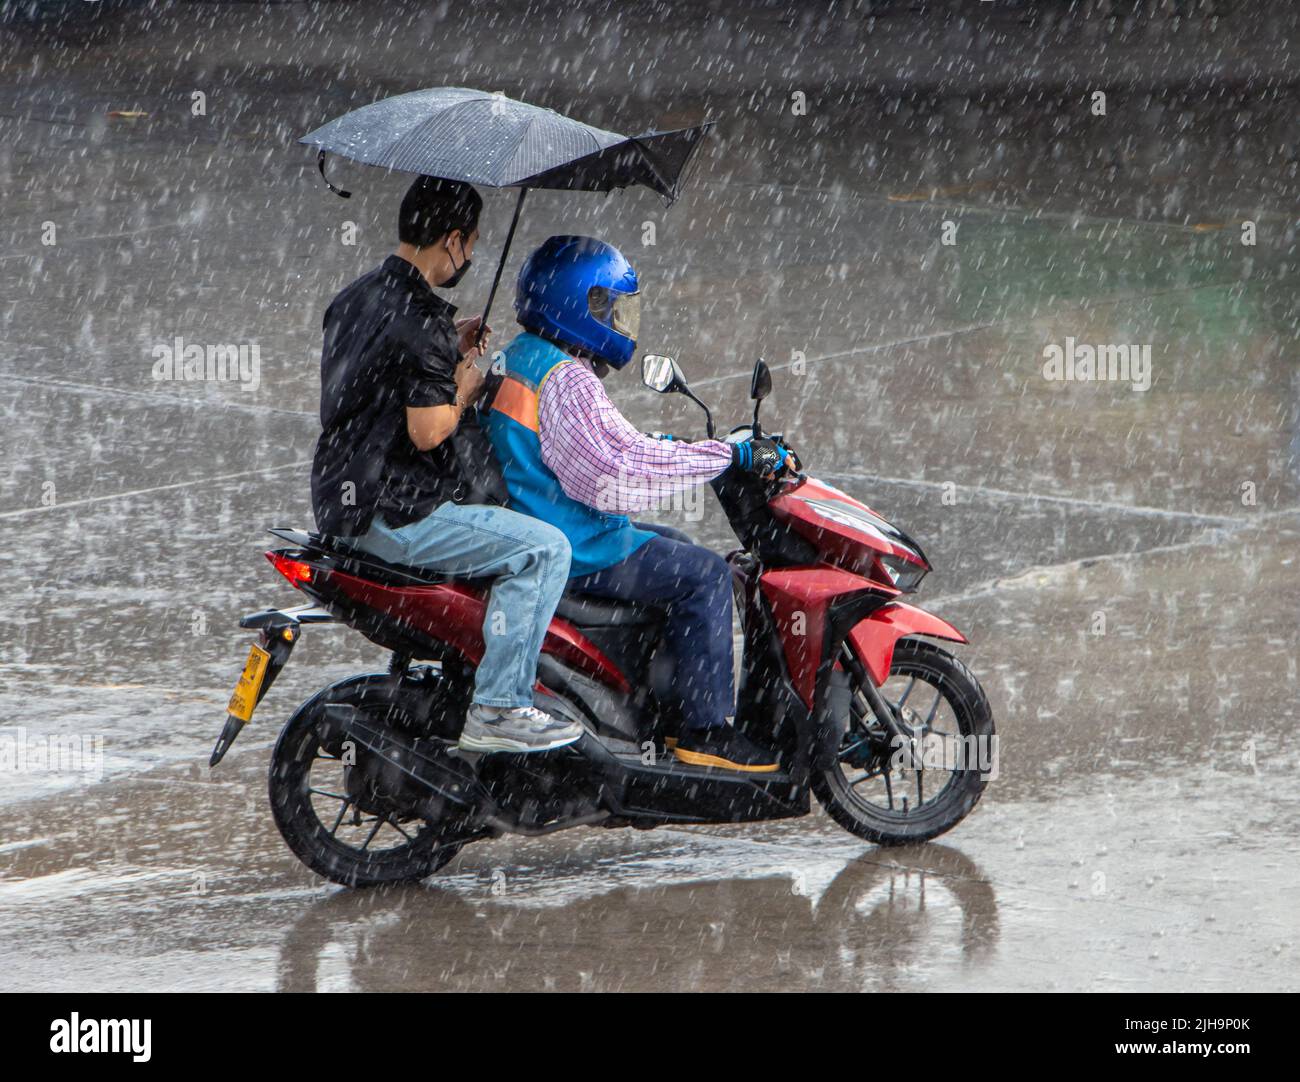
(1141, 834)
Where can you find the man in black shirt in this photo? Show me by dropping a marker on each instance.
(404, 470)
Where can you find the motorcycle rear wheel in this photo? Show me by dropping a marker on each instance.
(325, 825)
(869, 794)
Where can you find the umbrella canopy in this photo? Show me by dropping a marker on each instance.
(470, 135)
(489, 139)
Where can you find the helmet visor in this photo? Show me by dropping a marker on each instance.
(622, 311)
(627, 314)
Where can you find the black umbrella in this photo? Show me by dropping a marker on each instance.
(491, 140)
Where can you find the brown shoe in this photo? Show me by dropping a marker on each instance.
(726, 747)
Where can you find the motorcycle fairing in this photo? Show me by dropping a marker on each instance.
(799, 598)
(873, 639)
(451, 614)
(842, 527)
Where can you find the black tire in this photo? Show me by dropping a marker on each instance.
(430, 845)
(961, 788)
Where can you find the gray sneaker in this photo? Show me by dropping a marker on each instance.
(516, 728)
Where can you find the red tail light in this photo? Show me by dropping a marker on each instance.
(294, 570)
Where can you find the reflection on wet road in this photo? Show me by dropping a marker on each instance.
(175, 881)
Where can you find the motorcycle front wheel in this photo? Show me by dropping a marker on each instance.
(893, 792)
(334, 821)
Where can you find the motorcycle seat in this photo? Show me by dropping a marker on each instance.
(585, 610)
(366, 565)
(582, 610)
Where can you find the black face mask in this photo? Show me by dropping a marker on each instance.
(458, 273)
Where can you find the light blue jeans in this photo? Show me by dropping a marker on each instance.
(529, 560)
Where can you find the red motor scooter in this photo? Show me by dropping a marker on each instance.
(892, 733)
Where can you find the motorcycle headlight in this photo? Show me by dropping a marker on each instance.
(905, 575)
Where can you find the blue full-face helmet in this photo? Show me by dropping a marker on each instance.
(581, 293)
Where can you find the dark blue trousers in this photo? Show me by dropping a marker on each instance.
(694, 586)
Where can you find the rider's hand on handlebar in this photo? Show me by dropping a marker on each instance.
(762, 456)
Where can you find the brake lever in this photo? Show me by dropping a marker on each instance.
(799, 476)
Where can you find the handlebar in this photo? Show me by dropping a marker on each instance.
(743, 432)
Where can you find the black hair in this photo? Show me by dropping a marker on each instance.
(433, 207)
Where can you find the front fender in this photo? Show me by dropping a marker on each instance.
(873, 639)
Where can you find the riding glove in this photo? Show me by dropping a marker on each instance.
(759, 455)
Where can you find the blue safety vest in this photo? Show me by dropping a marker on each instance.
(598, 539)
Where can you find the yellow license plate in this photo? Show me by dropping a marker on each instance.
(250, 683)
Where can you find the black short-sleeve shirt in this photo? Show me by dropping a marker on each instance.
(390, 343)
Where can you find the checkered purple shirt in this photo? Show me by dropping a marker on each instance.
(601, 460)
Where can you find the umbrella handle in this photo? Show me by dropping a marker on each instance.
(320, 164)
(510, 236)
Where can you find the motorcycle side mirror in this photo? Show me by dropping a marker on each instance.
(760, 386)
(661, 374)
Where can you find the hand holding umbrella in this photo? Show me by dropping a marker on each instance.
(472, 343)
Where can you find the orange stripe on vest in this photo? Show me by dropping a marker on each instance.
(517, 402)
